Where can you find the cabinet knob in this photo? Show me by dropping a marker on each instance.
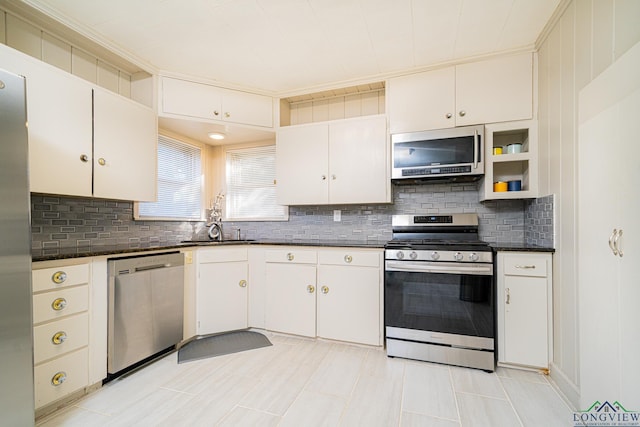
(58, 378)
(324, 290)
(102, 161)
(227, 115)
(84, 158)
(449, 115)
(59, 337)
(59, 304)
(333, 177)
(324, 177)
(311, 289)
(290, 256)
(59, 277)
(348, 258)
(216, 113)
(242, 284)
(508, 301)
(462, 113)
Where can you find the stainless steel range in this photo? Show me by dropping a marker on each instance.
(439, 291)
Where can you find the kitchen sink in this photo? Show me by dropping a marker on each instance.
(215, 242)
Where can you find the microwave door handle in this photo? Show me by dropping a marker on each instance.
(475, 149)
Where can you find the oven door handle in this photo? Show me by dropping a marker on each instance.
(475, 149)
(423, 267)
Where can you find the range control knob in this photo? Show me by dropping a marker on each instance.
(413, 255)
(400, 255)
(474, 256)
(458, 256)
(435, 255)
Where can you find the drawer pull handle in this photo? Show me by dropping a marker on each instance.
(348, 258)
(59, 338)
(59, 304)
(243, 283)
(290, 256)
(59, 277)
(59, 378)
(311, 289)
(508, 296)
(325, 290)
(525, 267)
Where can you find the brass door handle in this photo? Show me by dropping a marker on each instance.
(324, 290)
(311, 289)
(348, 258)
(59, 338)
(290, 256)
(59, 277)
(59, 304)
(243, 283)
(59, 378)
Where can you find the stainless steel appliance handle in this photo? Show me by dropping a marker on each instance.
(616, 244)
(425, 267)
(475, 149)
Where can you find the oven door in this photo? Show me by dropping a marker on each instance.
(444, 299)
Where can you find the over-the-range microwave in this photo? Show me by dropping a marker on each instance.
(450, 154)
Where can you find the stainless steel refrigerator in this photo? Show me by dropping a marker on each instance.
(16, 332)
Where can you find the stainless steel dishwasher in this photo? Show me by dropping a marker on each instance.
(146, 295)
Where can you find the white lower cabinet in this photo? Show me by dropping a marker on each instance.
(61, 330)
(349, 300)
(290, 305)
(328, 293)
(524, 309)
(221, 290)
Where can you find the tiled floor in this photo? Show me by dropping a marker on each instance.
(299, 382)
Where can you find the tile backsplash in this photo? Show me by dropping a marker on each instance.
(59, 222)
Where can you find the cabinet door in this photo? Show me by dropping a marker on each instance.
(422, 101)
(495, 90)
(247, 108)
(291, 298)
(358, 166)
(59, 114)
(302, 158)
(191, 99)
(125, 148)
(349, 304)
(526, 327)
(221, 297)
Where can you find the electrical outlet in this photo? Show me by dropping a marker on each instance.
(337, 215)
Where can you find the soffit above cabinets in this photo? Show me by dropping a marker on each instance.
(287, 47)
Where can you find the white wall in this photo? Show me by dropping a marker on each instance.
(588, 37)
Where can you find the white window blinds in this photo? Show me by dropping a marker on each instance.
(251, 191)
(179, 183)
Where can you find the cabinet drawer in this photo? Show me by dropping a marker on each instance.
(59, 377)
(222, 255)
(293, 256)
(52, 305)
(525, 265)
(349, 257)
(59, 277)
(60, 337)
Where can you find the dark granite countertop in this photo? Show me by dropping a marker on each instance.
(50, 254)
(518, 247)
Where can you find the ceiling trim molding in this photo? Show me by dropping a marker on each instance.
(50, 19)
(552, 22)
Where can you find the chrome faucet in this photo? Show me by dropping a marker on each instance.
(215, 218)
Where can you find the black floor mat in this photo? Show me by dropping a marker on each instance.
(219, 344)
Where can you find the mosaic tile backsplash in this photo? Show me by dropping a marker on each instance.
(59, 222)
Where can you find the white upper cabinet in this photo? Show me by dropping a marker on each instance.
(338, 162)
(73, 124)
(125, 148)
(206, 102)
(494, 90)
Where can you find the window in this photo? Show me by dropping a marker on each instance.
(251, 189)
(179, 183)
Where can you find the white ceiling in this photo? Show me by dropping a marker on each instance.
(287, 47)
